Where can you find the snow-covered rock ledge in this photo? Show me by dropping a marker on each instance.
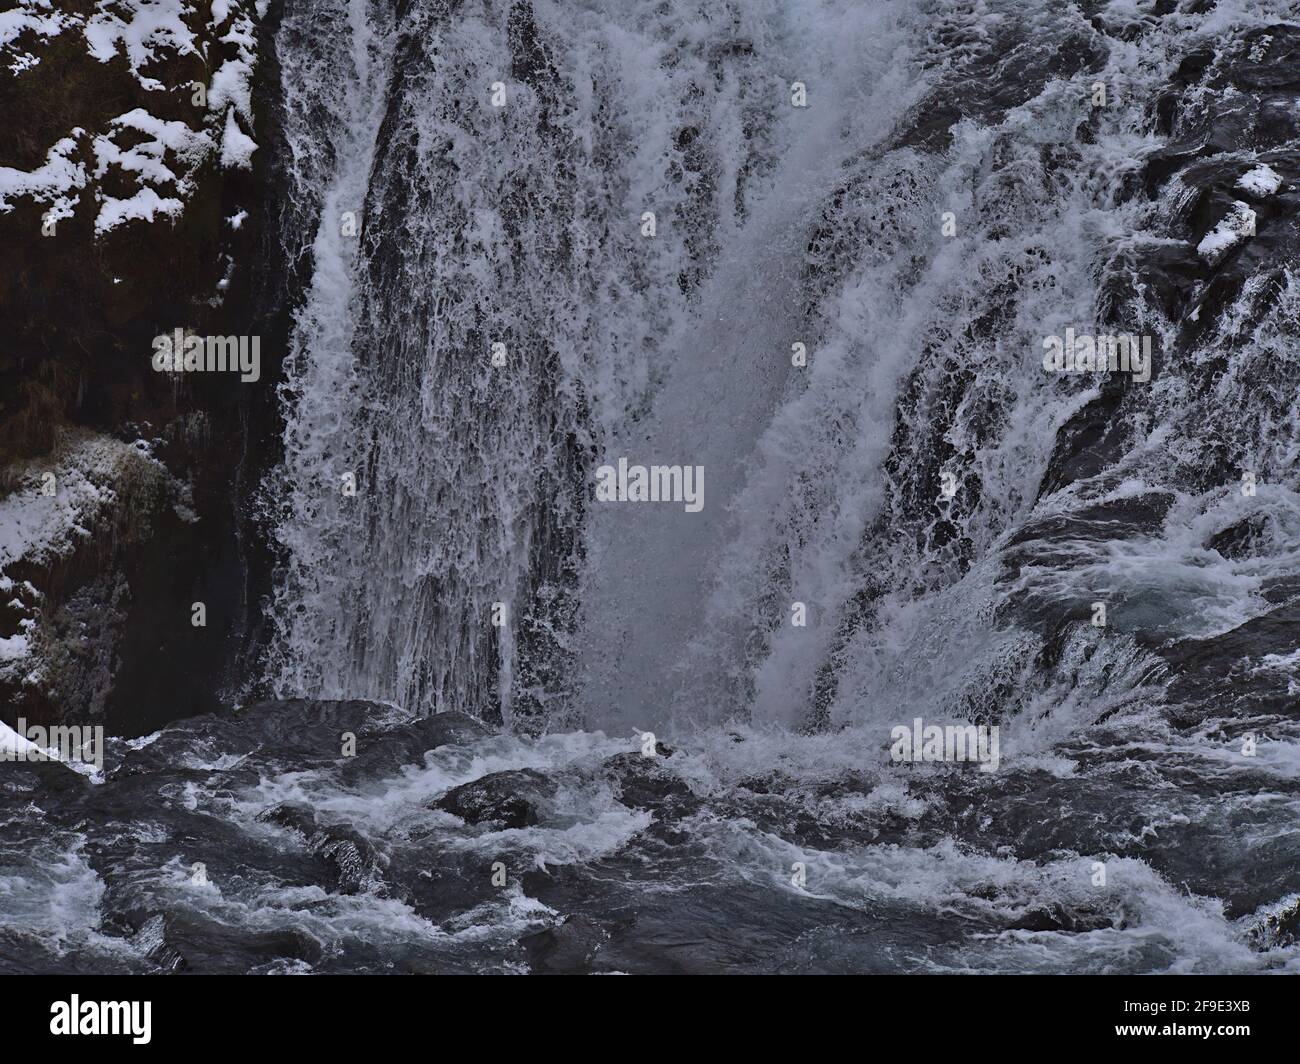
(62, 521)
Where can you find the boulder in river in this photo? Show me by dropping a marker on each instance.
(510, 798)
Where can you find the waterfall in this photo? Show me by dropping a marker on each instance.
(333, 106)
(598, 231)
(649, 593)
(502, 322)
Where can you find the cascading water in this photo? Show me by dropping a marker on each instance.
(334, 104)
(600, 230)
(505, 325)
(890, 487)
(518, 222)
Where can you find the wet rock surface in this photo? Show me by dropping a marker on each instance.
(569, 948)
(645, 783)
(511, 799)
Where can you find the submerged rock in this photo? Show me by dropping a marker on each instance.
(190, 941)
(566, 949)
(643, 783)
(1056, 917)
(294, 816)
(1241, 672)
(351, 862)
(407, 743)
(1278, 925)
(444, 729)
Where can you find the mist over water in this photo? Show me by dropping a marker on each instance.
(946, 513)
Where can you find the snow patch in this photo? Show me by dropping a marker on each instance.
(188, 147)
(55, 183)
(1260, 182)
(145, 206)
(237, 147)
(140, 28)
(145, 32)
(1232, 229)
(35, 17)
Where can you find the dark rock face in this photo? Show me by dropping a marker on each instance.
(512, 798)
(109, 609)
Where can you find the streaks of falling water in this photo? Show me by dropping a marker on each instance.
(334, 103)
(518, 225)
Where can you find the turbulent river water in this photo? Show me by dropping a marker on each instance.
(546, 236)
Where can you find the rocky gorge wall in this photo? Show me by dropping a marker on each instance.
(137, 196)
